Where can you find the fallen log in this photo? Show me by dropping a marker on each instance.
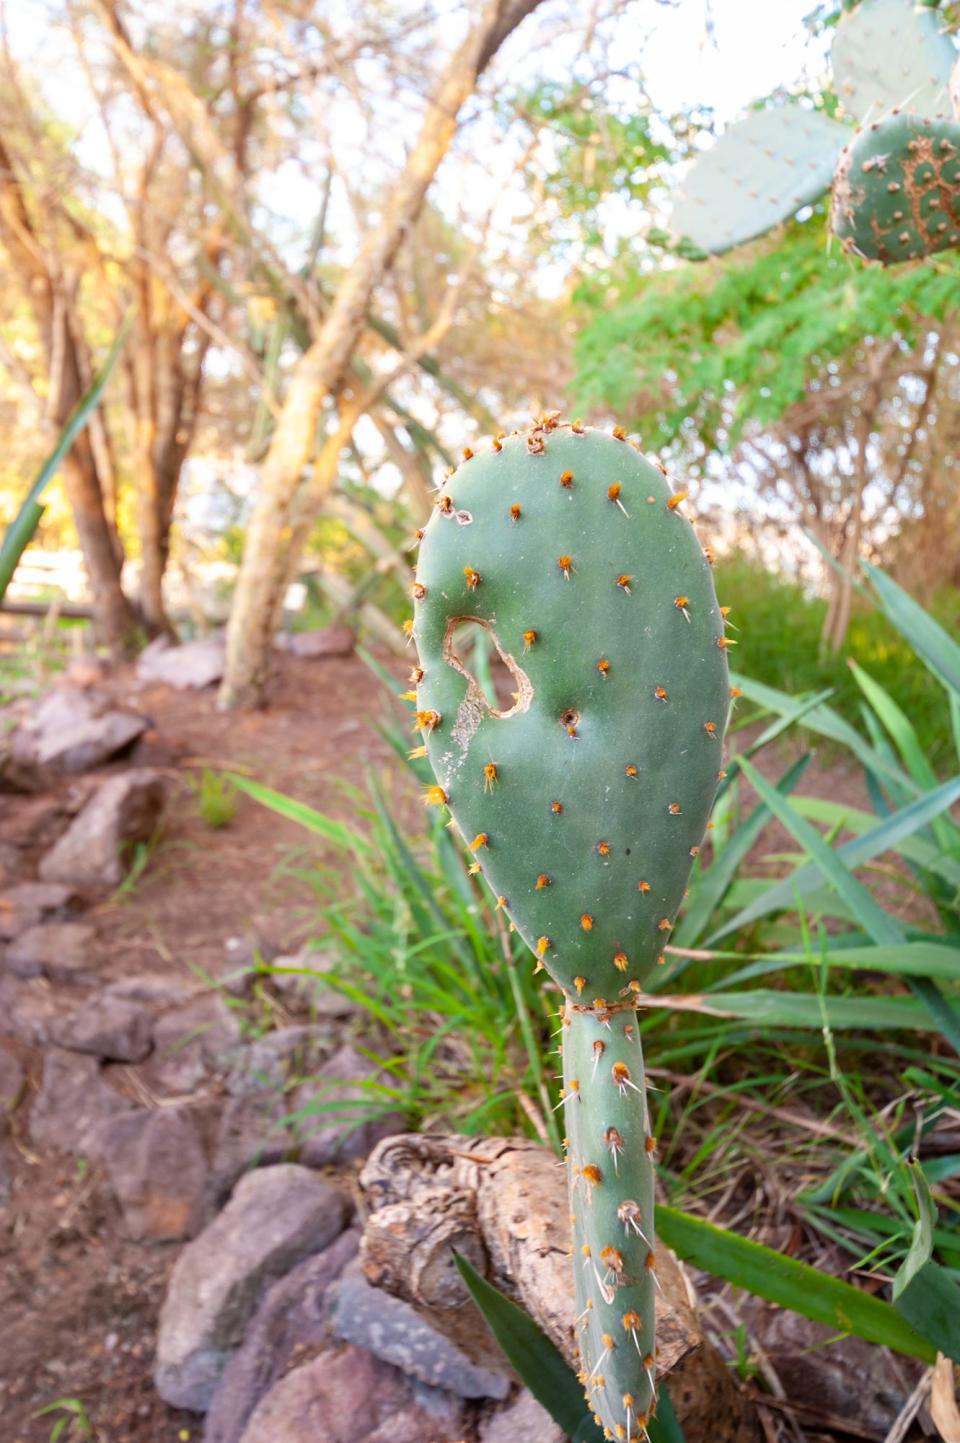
(502, 1203)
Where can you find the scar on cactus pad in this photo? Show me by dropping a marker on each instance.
(572, 552)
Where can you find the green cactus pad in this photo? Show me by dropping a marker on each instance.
(758, 174)
(610, 1169)
(896, 195)
(570, 548)
(890, 53)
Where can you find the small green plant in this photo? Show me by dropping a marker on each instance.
(73, 1425)
(217, 797)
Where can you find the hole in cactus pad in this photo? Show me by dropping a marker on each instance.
(496, 680)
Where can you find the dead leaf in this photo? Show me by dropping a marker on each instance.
(943, 1401)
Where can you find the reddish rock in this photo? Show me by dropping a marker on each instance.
(94, 850)
(346, 1395)
(107, 1027)
(158, 1171)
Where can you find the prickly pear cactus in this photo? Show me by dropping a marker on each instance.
(890, 53)
(757, 175)
(584, 801)
(896, 195)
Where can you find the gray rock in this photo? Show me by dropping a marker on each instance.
(29, 903)
(192, 1042)
(73, 730)
(108, 1027)
(275, 1218)
(156, 989)
(292, 1318)
(196, 663)
(339, 1139)
(32, 821)
(124, 810)
(395, 1332)
(348, 1396)
(11, 1081)
(252, 1132)
(62, 951)
(271, 1062)
(313, 645)
(72, 1104)
(522, 1421)
(157, 1169)
(29, 1009)
(301, 978)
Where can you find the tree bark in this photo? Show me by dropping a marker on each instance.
(265, 565)
(51, 301)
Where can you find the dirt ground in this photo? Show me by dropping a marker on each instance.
(78, 1303)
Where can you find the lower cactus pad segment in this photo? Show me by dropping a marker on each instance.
(610, 1168)
(896, 195)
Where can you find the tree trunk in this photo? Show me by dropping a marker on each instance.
(51, 298)
(265, 565)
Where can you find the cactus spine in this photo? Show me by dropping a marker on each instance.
(585, 801)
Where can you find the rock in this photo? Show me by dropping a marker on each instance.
(155, 989)
(395, 1333)
(72, 1104)
(29, 903)
(11, 1081)
(251, 1132)
(340, 1139)
(191, 1042)
(301, 977)
(347, 1396)
(32, 821)
(196, 663)
(292, 1317)
(73, 730)
(271, 1062)
(158, 1171)
(124, 810)
(12, 864)
(327, 641)
(275, 1218)
(523, 1419)
(108, 1027)
(62, 951)
(28, 1009)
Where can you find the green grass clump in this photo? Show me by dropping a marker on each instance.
(779, 645)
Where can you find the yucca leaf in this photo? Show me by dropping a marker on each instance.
(926, 636)
(24, 524)
(921, 1243)
(882, 838)
(931, 1305)
(533, 1357)
(791, 1284)
(774, 1008)
(303, 815)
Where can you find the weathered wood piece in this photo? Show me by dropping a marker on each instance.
(502, 1203)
